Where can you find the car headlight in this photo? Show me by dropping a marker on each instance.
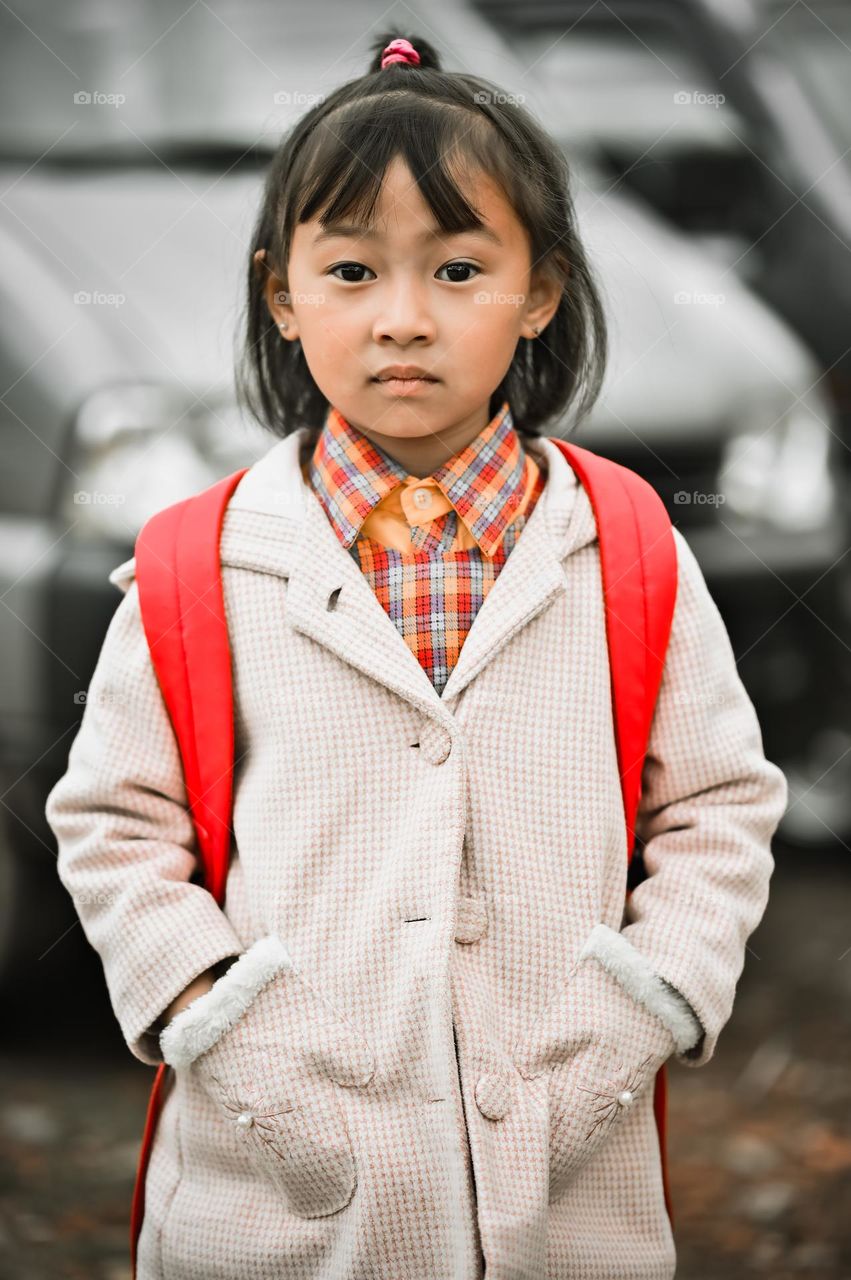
(140, 447)
(783, 475)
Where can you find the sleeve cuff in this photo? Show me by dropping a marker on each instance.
(197, 1027)
(637, 976)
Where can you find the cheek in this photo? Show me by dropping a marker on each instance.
(330, 341)
(487, 343)
(488, 326)
(312, 300)
(319, 310)
(322, 318)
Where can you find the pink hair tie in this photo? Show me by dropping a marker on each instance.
(399, 51)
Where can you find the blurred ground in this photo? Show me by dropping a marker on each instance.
(759, 1145)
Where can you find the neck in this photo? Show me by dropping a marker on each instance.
(422, 455)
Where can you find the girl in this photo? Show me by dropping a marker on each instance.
(420, 1038)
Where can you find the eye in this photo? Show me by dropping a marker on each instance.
(358, 266)
(348, 266)
(460, 266)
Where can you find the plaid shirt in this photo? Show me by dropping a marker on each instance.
(430, 548)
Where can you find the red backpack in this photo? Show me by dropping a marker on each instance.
(184, 619)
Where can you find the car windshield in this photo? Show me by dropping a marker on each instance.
(148, 80)
(636, 88)
(113, 78)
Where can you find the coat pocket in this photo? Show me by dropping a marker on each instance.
(600, 1041)
(272, 1053)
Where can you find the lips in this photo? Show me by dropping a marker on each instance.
(406, 386)
(404, 373)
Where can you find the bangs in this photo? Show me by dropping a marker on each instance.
(444, 148)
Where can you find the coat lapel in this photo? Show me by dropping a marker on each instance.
(534, 573)
(276, 524)
(330, 600)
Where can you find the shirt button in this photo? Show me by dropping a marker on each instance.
(422, 498)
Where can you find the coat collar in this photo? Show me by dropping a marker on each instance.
(483, 482)
(275, 524)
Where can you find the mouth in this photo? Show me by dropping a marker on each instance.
(405, 385)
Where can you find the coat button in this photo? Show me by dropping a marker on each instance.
(471, 921)
(493, 1094)
(435, 743)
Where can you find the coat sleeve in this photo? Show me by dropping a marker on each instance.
(709, 808)
(126, 840)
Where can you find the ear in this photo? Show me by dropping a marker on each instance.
(277, 297)
(542, 303)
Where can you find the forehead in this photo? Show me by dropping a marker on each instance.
(401, 211)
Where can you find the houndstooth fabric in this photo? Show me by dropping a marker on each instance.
(447, 874)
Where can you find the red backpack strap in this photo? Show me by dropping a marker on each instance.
(178, 572)
(182, 606)
(638, 559)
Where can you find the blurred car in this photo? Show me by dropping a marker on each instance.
(730, 120)
(126, 240)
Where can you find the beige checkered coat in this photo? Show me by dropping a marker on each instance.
(437, 1049)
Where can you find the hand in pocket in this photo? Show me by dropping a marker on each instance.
(601, 1042)
(269, 1050)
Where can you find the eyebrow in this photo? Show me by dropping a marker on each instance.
(351, 229)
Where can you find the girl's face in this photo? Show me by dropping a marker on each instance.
(405, 294)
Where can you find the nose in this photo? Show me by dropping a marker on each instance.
(405, 315)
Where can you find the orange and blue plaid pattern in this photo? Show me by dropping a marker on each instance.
(484, 495)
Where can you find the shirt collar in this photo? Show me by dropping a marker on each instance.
(484, 481)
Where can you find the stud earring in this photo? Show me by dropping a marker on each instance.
(283, 326)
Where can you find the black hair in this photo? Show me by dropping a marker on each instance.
(331, 165)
